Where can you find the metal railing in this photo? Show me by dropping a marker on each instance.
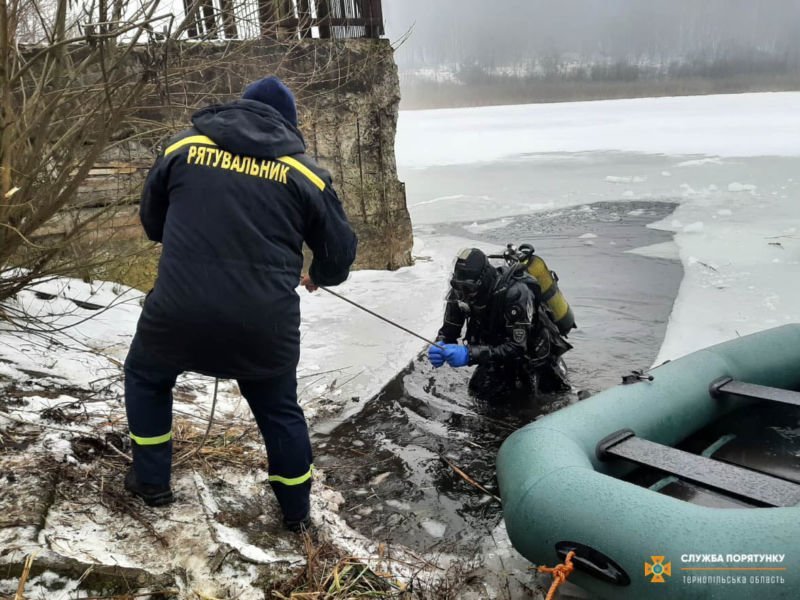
(286, 19)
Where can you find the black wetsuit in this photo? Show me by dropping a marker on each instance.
(512, 339)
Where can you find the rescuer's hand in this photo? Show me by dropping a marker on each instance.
(456, 355)
(307, 283)
(436, 355)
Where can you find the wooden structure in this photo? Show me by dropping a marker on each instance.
(282, 19)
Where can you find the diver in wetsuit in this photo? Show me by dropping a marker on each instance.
(510, 334)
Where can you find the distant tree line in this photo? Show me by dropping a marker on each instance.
(707, 65)
(540, 50)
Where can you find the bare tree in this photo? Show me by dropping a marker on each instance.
(67, 92)
(78, 83)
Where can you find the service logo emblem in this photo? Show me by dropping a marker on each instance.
(657, 569)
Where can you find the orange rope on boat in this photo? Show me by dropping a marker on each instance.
(559, 573)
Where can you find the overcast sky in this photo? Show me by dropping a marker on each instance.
(508, 31)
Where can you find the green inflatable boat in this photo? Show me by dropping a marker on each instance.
(684, 483)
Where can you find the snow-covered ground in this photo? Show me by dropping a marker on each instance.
(736, 233)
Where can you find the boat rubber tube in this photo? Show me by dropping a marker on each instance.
(556, 492)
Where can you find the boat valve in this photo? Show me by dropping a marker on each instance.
(637, 375)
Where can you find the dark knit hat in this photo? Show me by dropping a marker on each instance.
(273, 91)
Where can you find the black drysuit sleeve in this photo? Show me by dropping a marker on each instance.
(330, 237)
(516, 322)
(454, 319)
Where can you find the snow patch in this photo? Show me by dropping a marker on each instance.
(668, 250)
(696, 227)
(433, 528)
(625, 179)
(712, 160)
(398, 505)
(741, 187)
(480, 227)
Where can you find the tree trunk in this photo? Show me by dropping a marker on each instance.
(6, 42)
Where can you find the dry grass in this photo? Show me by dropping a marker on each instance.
(26, 571)
(227, 444)
(330, 574)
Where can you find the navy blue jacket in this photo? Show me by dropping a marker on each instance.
(232, 200)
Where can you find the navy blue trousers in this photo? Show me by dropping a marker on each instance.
(148, 403)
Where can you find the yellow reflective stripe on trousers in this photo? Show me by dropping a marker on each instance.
(312, 177)
(192, 139)
(293, 480)
(152, 441)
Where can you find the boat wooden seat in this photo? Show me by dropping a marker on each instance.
(731, 479)
(727, 386)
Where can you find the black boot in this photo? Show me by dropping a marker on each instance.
(301, 526)
(153, 495)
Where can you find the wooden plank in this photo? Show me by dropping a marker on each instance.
(332, 21)
(738, 481)
(304, 18)
(756, 392)
(191, 30)
(228, 19)
(287, 21)
(209, 19)
(280, 15)
(268, 18)
(373, 17)
(323, 19)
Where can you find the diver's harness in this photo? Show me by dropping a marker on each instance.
(522, 262)
(514, 270)
(551, 312)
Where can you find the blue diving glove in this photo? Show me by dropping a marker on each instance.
(436, 355)
(456, 355)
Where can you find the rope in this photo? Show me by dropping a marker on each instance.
(199, 447)
(374, 314)
(559, 573)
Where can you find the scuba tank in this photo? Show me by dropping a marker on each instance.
(548, 281)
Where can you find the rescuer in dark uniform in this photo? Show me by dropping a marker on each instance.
(232, 200)
(509, 336)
